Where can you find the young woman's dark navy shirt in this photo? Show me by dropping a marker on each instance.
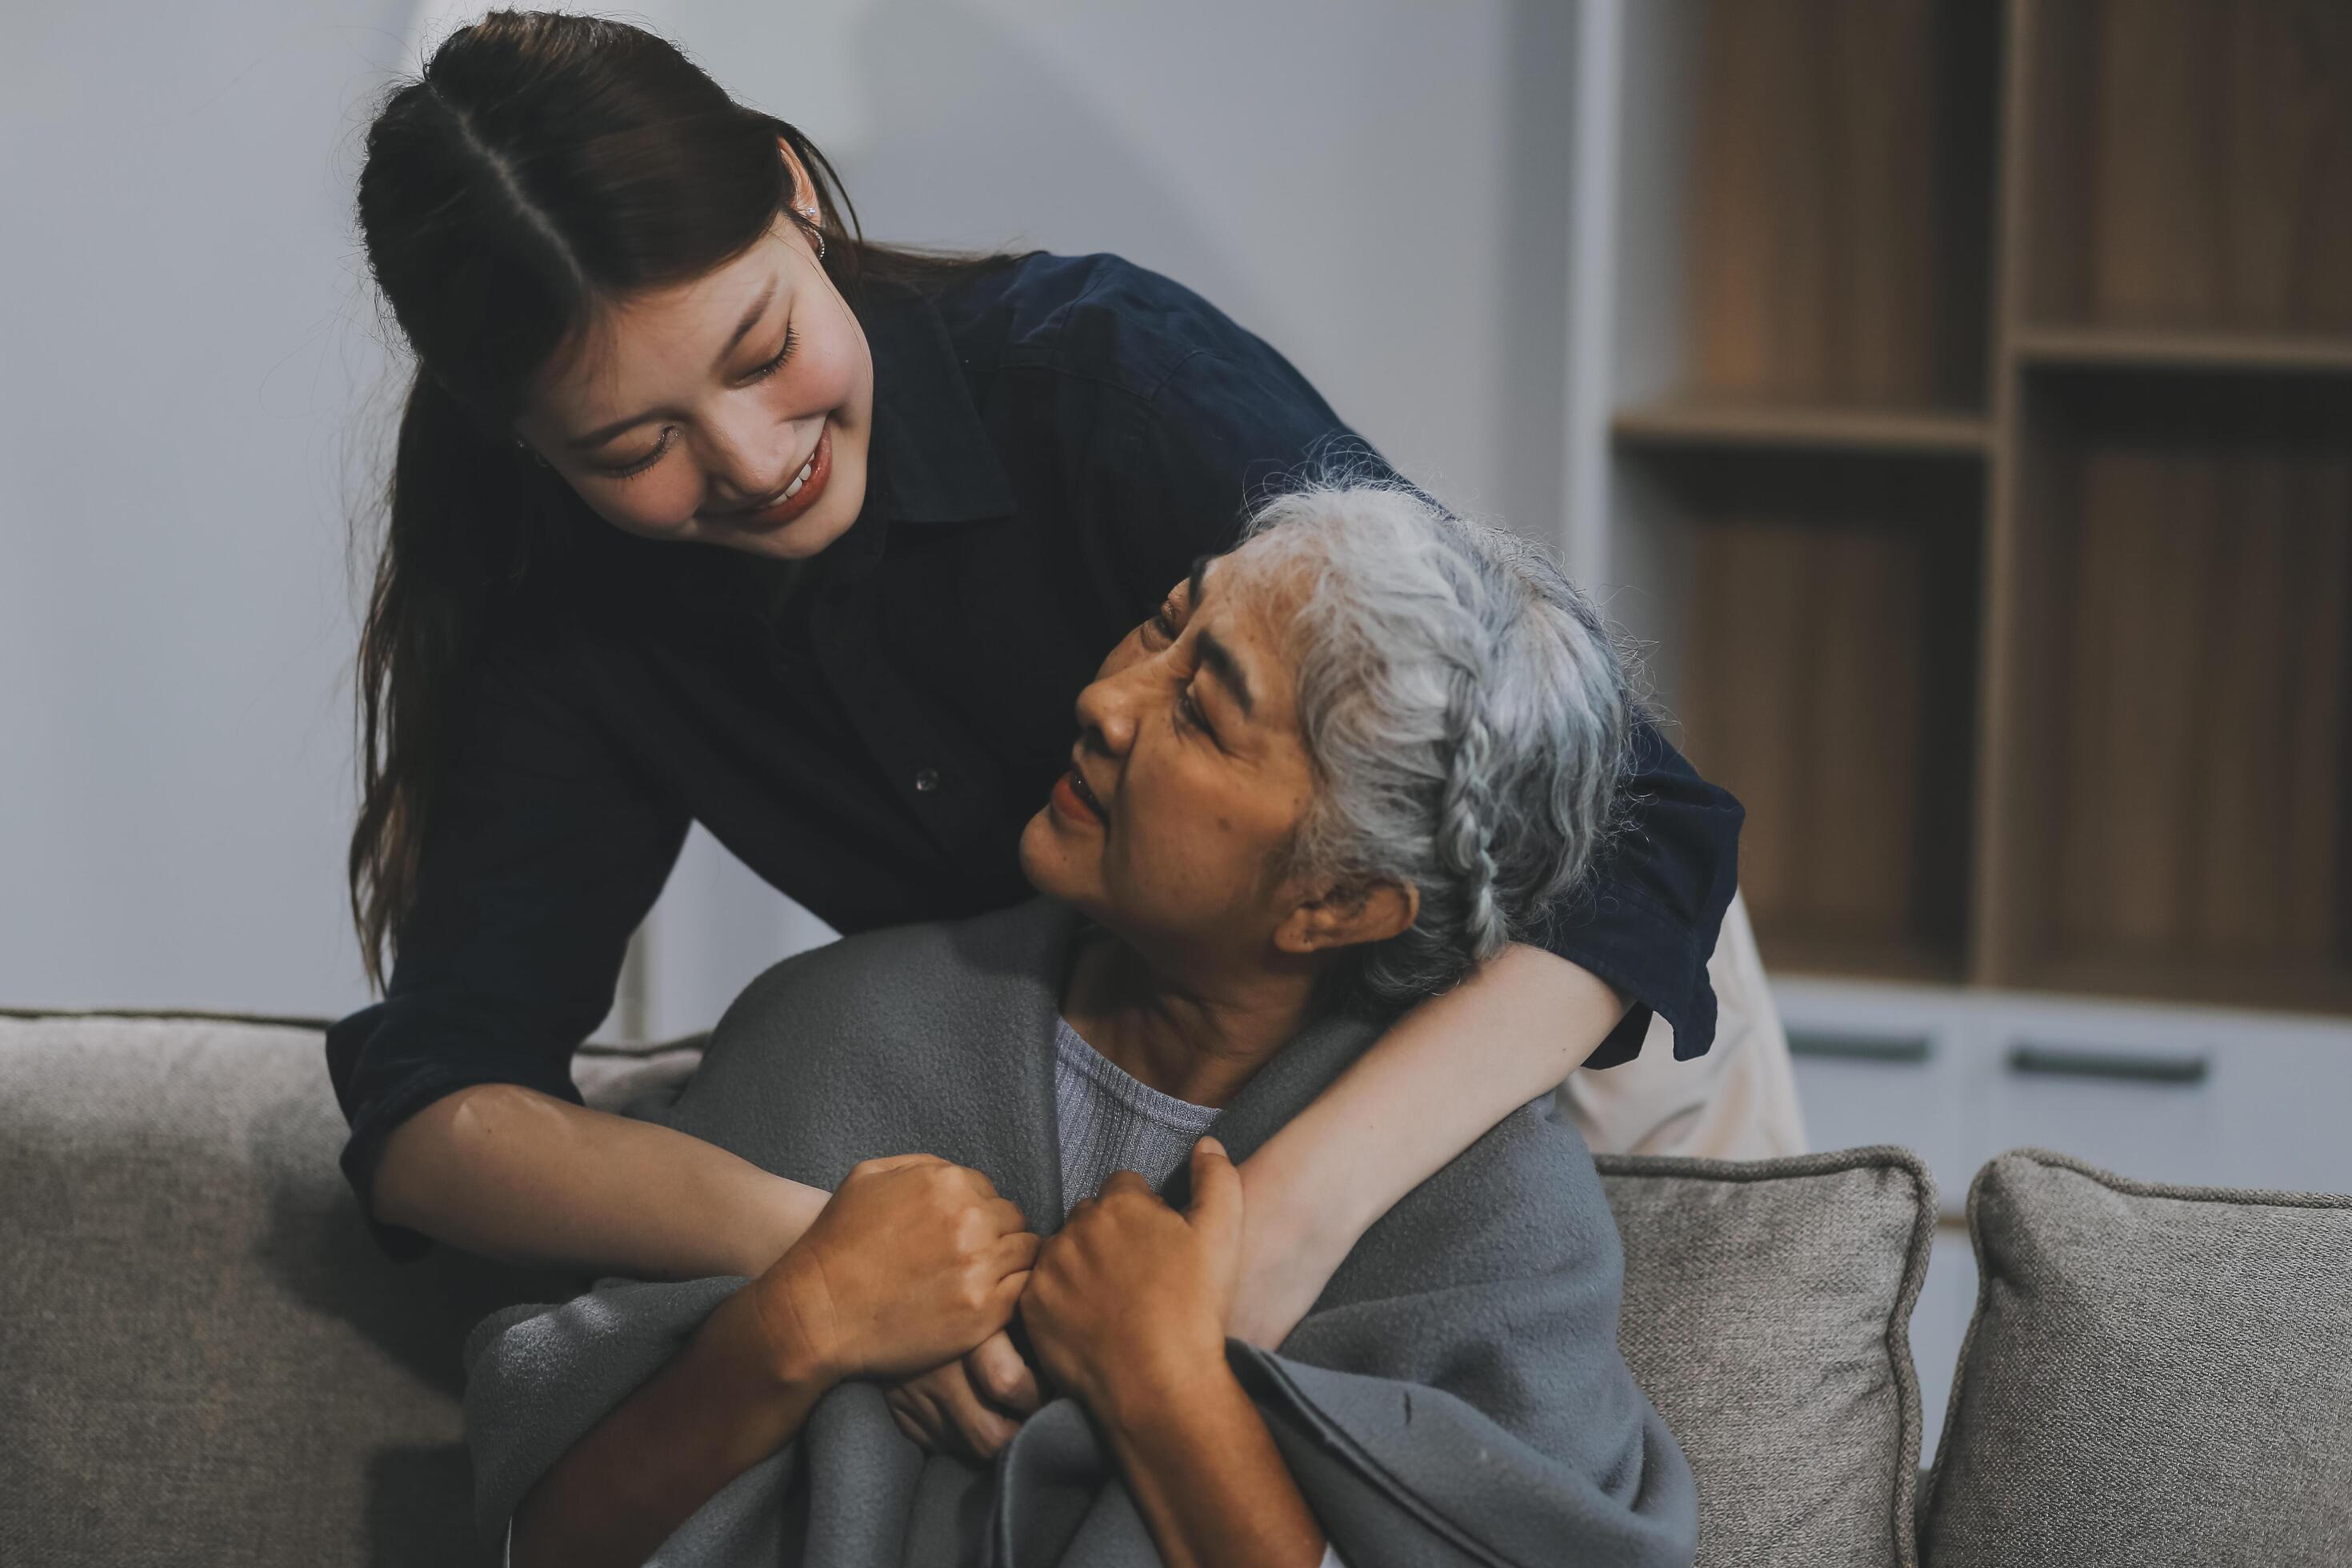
(1055, 442)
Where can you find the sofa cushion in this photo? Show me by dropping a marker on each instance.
(203, 1356)
(1767, 1314)
(2154, 1376)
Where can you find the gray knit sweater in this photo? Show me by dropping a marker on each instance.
(1110, 1120)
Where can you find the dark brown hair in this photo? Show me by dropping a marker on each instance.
(542, 164)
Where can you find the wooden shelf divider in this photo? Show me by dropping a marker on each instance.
(1803, 427)
(2175, 348)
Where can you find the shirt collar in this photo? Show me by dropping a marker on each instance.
(935, 456)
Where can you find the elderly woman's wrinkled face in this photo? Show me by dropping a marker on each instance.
(1189, 776)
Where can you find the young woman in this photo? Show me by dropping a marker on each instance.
(1348, 761)
(705, 509)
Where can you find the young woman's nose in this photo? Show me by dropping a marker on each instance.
(748, 457)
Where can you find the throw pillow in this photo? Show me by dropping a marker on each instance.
(1768, 1305)
(2154, 1376)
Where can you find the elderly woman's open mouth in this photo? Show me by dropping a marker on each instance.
(1075, 799)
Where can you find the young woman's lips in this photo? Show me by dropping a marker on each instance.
(1074, 800)
(819, 468)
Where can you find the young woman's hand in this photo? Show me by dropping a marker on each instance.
(1130, 1299)
(912, 1262)
(970, 1406)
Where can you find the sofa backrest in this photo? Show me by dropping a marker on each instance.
(204, 1358)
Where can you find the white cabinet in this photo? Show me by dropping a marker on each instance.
(1889, 1065)
(2194, 1095)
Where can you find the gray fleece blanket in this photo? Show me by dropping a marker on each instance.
(1456, 1397)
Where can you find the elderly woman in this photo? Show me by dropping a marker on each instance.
(1342, 764)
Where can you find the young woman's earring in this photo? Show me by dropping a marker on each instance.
(523, 445)
(810, 218)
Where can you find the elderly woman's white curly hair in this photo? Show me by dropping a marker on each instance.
(1467, 715)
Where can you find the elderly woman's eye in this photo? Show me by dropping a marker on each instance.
(1163, 621)
(1188, 709)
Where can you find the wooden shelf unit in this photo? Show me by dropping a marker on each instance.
(2185, 164)
(2172, 779)
(1981, 476)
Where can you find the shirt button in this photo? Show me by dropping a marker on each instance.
(927, 781)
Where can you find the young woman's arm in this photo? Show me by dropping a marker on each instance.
(515, 1173)
(548, 849)
(1428, 1088)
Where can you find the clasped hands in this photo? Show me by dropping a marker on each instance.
(913, 1272)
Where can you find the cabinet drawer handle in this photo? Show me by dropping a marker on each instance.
(2139, 1067)
(1863, 1048)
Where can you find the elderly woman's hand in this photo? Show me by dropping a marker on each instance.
(912, 1261)
(1130, 1299)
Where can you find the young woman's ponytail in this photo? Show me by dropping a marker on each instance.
(460, 515)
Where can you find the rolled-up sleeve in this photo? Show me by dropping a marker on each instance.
(544, 850)
(1647, 917)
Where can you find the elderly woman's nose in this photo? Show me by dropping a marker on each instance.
(1106, 711)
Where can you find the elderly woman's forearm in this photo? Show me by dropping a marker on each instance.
(509, 1172)
(722, 1405)
(1435, 1083)
(1208, 1479)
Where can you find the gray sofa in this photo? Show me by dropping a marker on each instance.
(204, 1359)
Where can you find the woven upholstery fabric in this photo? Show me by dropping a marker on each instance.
(1768, 1307)
(2155, 1375)
(204, 1359)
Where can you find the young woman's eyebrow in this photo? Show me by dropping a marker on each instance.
(604, 433)
(751, 318)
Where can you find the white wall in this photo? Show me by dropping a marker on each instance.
(183, 343)
(1379, 187)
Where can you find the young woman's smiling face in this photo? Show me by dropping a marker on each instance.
(688, 413)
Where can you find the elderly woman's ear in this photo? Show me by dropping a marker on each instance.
(1348, 916)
